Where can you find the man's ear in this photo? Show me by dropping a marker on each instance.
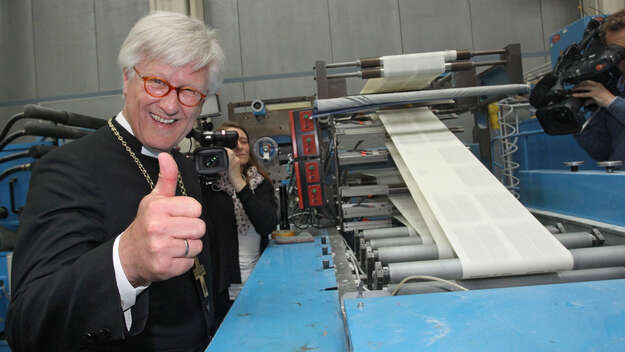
(126, 79)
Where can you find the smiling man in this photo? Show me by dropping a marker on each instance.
(111, 244)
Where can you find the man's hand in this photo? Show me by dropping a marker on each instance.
(234, 170)
(153, 247)
(595, 91)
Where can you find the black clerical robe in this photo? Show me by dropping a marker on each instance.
(64, 294)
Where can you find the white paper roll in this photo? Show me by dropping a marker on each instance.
(492, 233)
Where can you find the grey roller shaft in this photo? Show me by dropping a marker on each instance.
(451, 269)
(573, 240)
(598, 257)
(395, 241)
(400, 231)
(397, 254)
(514, 281)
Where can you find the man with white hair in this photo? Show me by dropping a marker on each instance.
(113, 244)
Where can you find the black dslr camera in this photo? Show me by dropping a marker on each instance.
(557, 110)
(211, 158)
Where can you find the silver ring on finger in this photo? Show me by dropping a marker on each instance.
(186, 250)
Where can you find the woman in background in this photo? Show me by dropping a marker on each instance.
(244, 213)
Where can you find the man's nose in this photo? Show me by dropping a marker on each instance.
(169, 103)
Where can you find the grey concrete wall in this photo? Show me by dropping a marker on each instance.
(63, 53)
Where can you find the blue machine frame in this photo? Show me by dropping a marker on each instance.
(546, 184)
(289, 303)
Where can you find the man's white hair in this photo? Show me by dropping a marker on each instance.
(176, 40)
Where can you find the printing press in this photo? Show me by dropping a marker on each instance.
(417, 245)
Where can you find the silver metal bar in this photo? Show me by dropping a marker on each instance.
(366, 210)
(355, 191)
(451, 269)
(572, 240)
(362, 225)
(343, 64)
(370, 101)
(399, 254)
(399, 231)
(345, 75)
(395, 241)
(364, 157)
(598, 257)
(488, 52)
(514, 281)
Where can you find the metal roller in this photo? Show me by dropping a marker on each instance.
(598, 257)
(400, 231)
(555, 228)
(572, 240)
(395, 241)
(451, 269)
(514, 281)
(398, 254)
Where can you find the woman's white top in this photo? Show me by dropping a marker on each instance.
(249, 252)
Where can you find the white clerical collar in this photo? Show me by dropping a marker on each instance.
(121, 119)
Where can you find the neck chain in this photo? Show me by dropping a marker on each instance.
(198, 269)
(183, 190)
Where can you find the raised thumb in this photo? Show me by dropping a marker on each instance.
(167, 176)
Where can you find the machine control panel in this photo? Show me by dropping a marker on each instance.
(309, 146)
(314, 196)
(304, 134)
(306, 152)
(312, 171)
(307, 124)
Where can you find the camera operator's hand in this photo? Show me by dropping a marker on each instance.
(234, 170)
(154, 246)
(595, 91)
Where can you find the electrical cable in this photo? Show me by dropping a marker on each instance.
(36, 152)
(14, 169)
(426, 277)
(14, 156)
(12, 120)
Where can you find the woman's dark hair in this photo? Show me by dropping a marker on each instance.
(253, 161)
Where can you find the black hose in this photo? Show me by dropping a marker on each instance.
(12, 120)
(14, 169)
(14, 156)
(13, 136)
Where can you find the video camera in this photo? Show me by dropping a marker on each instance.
(211, 158)
(557, 110)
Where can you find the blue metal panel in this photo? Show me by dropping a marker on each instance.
(537, 150)
(4, 290)
(595, 195)
(567, 317)
(20, 185)
(284, 306)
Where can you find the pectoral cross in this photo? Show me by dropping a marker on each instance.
(198, 273)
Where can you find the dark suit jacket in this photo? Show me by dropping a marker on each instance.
(64, 294)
